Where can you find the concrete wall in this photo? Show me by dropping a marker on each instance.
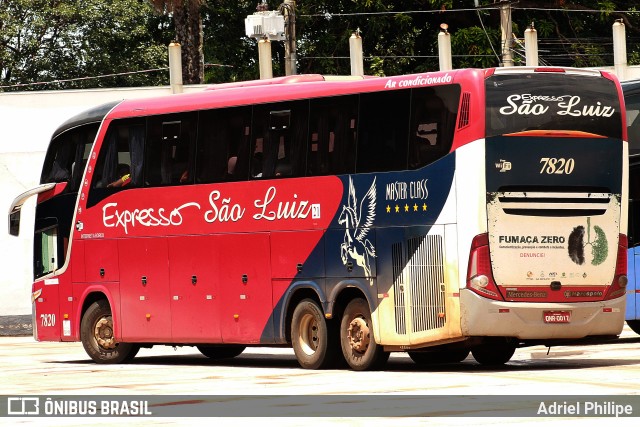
(27, 121)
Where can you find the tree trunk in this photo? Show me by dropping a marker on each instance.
(188, 25)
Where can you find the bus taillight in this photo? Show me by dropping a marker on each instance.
(618, 287)
(479, 276)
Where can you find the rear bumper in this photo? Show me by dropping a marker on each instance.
(483, 317)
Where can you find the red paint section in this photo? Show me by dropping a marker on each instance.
(244, 277)
(58, 189)
(270, 205)
(195, 289)
(145, 306)
(197, 247)
(48, 321)
(290, 251)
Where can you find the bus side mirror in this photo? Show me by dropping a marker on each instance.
(16, 205)
(14, 223)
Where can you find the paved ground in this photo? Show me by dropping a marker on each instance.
(30, 368)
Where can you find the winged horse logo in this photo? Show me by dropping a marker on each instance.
(356, 245)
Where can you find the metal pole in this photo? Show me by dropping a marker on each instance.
(355, 50)
(531, 46)
(290, 44)
(505, 26)
(444, 50)
(619, 49)
(264, 58)
(175, 67)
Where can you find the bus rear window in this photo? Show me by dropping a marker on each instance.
(552, 102)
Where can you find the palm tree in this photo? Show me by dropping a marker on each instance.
(188, 26)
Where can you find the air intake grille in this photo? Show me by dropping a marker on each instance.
(464, 110)
(426, 283)
(398, 288)
(420, 280)
(554, 204)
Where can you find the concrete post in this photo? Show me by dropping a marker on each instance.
(505, 26)
(355, 54)
(619, 49)
(444, 50)
(531, 46)
(264, 59)
(290, 55)
(175, 67)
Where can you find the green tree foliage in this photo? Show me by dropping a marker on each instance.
(49, 40)
(569, 36)
(396, 43)
(45, 40)
(187, 20)
(229, 54)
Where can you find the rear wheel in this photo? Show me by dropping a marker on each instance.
(438, 356)
(314, 342)
(358, 343)
(634, 325)
(98, 340)
(493, 354)
(221, 351)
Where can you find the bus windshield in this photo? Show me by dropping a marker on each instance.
(552, 102)
(67, 156)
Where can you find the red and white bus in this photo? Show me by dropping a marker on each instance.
(436, 214)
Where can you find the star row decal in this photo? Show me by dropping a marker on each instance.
(407, 208)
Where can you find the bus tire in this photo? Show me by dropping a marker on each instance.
(439, 356)
(357, 340)
(96, 334)
(314, 342)
(493, 354)
(216, 352)
(634, 325)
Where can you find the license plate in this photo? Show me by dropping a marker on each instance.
(556, 316)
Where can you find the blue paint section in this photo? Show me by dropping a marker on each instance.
(401, 197)
(632, 296)
(378, 214)
(517, 161)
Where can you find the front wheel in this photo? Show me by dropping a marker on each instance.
(634, 325)
(216, 352)
(98, 340)
(358, 343)
(314, 343)
(493, 354)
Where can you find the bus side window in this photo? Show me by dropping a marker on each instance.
(122, 148)
(278, 140)
(120, 160)
(170, 150)
(332, 136)
(633, 126)
(632, 100)
(383, 140)
(433, 118)
(222, 148)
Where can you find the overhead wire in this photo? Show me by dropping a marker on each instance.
(329, 15)
(125, 73)
(487, 34)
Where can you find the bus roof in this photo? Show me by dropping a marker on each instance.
(277, 89)
(93, 115)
